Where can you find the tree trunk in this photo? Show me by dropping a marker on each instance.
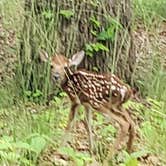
(102, 28)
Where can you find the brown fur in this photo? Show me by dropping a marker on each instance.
(105, 93)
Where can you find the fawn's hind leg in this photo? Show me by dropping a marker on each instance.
(122, 132)
(124, 125)
(131, 131)
(125, 114)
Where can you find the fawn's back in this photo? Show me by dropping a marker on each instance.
(96, 89)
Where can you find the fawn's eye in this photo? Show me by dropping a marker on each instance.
(51, 66)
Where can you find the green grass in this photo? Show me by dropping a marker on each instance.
(149, 11)
(148, 17)
(30, 130)
(26, 133)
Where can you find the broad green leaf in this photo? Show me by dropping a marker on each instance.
(11, 156)
(48, 14)
(100, 46)
(131, 162)
(27, 93)
(95, 22)
(95, 69)
(37, 93)
(79, 162)
(67, 13)
(93, 32)
(23, 145)
(5, 145)
(38, 144)
(68, 151)
(62, 94)
(108, 34)
(88, 47)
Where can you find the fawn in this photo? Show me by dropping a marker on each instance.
(104, 93)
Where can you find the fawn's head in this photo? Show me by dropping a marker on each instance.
(60, 64)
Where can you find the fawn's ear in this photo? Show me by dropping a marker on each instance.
(44, 56)
(76, 59)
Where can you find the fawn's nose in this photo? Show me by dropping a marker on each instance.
(56, 76)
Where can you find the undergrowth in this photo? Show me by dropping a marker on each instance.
(31, 131)
(149, 11)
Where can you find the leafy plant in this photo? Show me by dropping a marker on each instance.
(48, 14)
(38, 143)
(12, 152)
(95, 69)
(108, 34)
(33, 96)
(132, 159)
(95, 22)
(95, 47)
(131, 162)
(66, 13)
(93, 32)
(150, 8)
(79, 158)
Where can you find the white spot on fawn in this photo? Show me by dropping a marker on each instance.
(100, 95)
(113, 87)
(85, 86)
(75, 79)
(107, 86)
(113, 80)
(122, 92)
(90, 91)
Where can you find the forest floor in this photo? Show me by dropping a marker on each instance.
(33, 135)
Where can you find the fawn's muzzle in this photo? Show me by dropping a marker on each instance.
(56, 76)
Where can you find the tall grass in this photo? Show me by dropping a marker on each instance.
(38, 32)
(149, 10)
(150, 14)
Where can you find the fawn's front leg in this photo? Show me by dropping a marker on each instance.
(88, 124)
(70, 121)
(71, 116)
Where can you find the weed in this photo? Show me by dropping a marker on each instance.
(66, 13)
